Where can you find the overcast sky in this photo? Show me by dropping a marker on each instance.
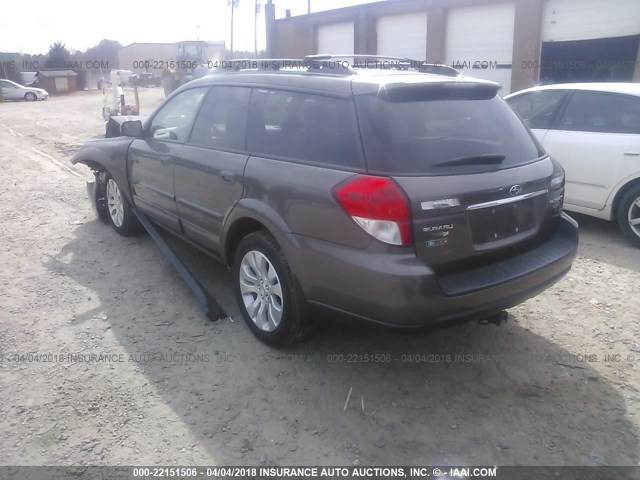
(30, 27)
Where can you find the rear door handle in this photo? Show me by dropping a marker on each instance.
(632, 154)
(228, 176)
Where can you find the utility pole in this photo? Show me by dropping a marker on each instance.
(308, 6)
(234, 4)
(270, 20)
(255, 27)
(232, 9)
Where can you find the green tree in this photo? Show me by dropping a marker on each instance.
(58, 56)
(105, 51)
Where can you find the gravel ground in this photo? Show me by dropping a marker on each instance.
(145, 378)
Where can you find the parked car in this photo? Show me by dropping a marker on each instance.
(403, 198)
(145, 79)
(593, 131)
(15, 91)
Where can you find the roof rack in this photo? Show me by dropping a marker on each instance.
(260, 63)
(344, 64)
(383, 62)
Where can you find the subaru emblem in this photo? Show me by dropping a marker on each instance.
(515, 190)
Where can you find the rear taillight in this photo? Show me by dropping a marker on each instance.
(379, 206)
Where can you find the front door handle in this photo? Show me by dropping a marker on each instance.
(632, 154)
(228, 176)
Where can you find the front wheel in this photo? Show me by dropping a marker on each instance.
(628, 215)
(30, 96)
(121, 217)
(269, 297)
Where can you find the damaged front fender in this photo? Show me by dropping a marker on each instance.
(107, 156)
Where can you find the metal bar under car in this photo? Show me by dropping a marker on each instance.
(211, 308)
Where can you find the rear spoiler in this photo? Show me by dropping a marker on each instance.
(419, 92)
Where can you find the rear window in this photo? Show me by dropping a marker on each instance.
(437, 136)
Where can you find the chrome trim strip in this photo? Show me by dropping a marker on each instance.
(505, 201)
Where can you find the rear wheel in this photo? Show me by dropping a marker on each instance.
(269, 297)
(121, 216)
(30, 96)
(628, 215)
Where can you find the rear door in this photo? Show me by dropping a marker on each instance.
(151, 159)
(597, 141)
(209, 170)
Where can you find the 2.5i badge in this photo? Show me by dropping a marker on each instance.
(436, 243)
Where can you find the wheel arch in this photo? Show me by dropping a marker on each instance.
(237, 231)
(621, 192)
(98, 160)
(248, 216)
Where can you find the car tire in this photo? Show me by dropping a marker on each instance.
(30, 97)
(268, 294)
(120, 215)
(628, 212)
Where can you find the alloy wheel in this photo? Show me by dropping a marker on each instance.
(261, 291)
(114, 203)
(633, 215)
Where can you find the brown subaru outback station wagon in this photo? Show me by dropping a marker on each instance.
(398, 196)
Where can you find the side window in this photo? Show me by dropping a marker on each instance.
(304, 127)
(173, 121)
(222, 120)
(602, 112)
(537, 109)
(7, 84)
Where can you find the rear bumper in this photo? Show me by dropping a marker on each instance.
(399, 289)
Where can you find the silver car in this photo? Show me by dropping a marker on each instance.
(15, 91)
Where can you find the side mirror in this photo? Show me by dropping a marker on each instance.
(131, 128)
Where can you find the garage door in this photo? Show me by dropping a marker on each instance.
(480, 42)
(336, 38)
(62, 84)
(566, 20)
(403, 35)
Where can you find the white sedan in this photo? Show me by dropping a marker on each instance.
(593, 130)
(15, 91)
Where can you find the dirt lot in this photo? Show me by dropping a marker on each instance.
(173, 388)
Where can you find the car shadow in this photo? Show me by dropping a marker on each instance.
(353, 394)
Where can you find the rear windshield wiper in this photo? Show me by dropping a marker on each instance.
(485, 159)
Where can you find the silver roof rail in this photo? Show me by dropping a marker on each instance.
(344, 64)
(260, 63)
(380, 61)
